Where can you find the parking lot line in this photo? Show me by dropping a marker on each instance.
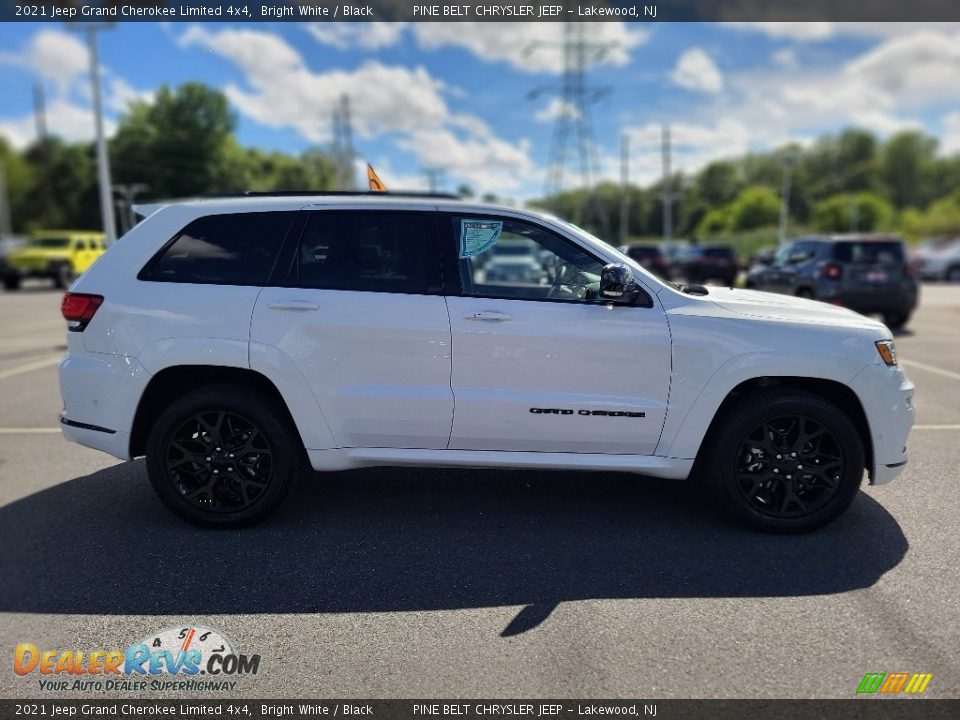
(35, 365)
(931, 368)
(29, 431)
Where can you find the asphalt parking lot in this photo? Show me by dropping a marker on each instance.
(409, 583)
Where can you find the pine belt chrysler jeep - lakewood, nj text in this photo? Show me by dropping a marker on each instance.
(235, 341)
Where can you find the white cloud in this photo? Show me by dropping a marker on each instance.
(65, 119)
(554, 109)
(950, 135)
(531, 47)
(695, 70)
(799, 31)
(787, 58)
(365, 35)
(407, 105)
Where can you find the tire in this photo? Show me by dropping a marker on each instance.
(11, 282)
(896, 320)
(780, 495)
(192, 470)
(806, 293)
(63, 275)
(953, 274)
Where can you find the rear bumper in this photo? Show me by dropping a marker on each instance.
(887, 399)
(112, 442)
(100, 394)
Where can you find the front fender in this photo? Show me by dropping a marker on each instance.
(692, 410)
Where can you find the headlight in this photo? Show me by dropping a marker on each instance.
(887, 351)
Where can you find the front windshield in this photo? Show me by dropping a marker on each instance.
(50, 243)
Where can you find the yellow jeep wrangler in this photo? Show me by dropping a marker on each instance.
(58, 255)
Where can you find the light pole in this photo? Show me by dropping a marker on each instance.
(785, 197)
(103, 161)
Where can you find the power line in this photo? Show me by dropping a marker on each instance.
(573, 129)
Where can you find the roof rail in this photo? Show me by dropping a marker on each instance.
(345, 193)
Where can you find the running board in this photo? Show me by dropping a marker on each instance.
(349, 458)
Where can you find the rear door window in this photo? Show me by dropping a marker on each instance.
(232, 249)
(870, 252)
(370, 251)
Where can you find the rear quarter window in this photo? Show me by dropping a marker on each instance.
(874, 252)
(232, 249)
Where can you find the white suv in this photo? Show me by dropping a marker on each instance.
(233, 341)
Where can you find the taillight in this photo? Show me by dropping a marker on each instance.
(78, 309)
(832, 271)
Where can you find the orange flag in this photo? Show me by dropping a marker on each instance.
(376, 184)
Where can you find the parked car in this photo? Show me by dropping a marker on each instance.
(650, 256)
(516, 262)
(701, 263)
(867, 273)
(939, 261)
(235, 342)
(57, 255)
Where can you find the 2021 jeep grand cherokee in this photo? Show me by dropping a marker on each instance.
(233, 341)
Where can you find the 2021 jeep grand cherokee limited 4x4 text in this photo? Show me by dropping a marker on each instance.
(235, 341)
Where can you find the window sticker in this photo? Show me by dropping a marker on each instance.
(478, 236)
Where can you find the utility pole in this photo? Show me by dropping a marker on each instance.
(573, 119)
(343, 151)
(434, 177)
(667, 195)
(785, 197)
(103, 161)
(128, 193)
(854, 213)
(6, 227)
(624, 186)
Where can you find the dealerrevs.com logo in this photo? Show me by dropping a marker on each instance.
(191, 658)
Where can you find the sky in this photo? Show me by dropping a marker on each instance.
(477, 100)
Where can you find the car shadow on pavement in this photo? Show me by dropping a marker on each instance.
(392, 539)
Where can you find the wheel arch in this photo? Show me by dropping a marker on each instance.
(832, 390)
(173, 382)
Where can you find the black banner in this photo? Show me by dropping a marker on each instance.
(243, 11)
(862, 709)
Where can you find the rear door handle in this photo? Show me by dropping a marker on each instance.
(488, 315)
(300, 305)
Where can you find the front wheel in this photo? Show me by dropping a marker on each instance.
(11, 282)
(785, 461)
(63, 275)
(223, 456)
(896, 320)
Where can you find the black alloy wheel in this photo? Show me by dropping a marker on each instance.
(224, 455)
(219, 461)
(789, 466)
(783, 460)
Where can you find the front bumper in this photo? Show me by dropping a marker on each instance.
(887, 399)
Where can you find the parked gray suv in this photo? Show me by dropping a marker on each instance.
(867, 273)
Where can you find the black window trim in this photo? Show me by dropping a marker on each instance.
(145, 271)
(451, 263)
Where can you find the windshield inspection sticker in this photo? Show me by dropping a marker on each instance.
(478, 236)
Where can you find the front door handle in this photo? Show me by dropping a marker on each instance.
(488, 315)
(301, 305)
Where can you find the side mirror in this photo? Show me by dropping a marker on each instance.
(618, 285)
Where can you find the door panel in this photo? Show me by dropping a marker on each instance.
(544, 367)
(378, 364)
(366, 324)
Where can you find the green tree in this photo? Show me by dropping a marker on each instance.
(863, 212)
(718, 183)
(906, 168)
(176, 143)
(754, 207)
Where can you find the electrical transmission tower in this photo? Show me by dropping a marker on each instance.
(573, 131)
(343, 152)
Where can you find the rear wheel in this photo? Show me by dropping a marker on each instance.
(11, 282)
(223, 456)
(805, 293)
(895, 320)
(63, 275)
(785, 461)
